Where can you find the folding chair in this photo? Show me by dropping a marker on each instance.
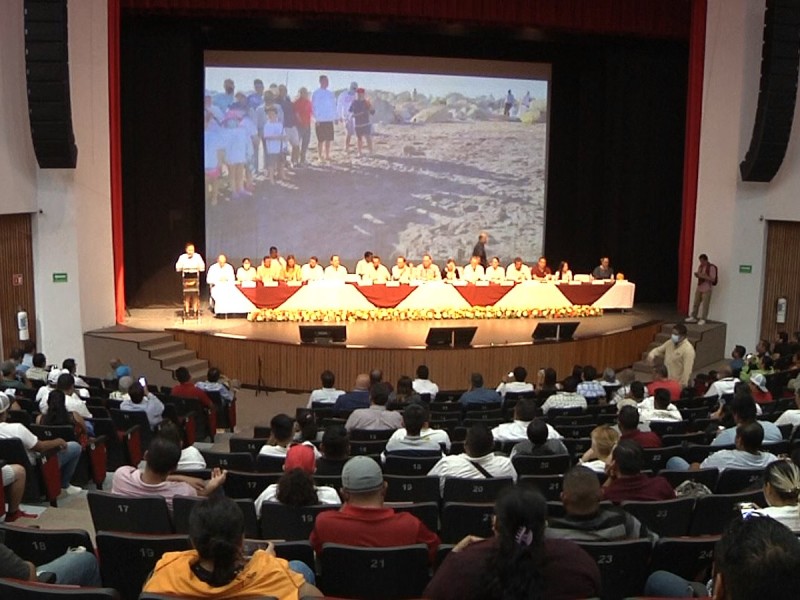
(713, 513)
(251, 445)
(426, 512)
(623, 566)
(144, 514)
(732, 481)
(239, 484)
(656, 459)
(549, 485)
(42, 478)
(269, 464)
(662, 428)
(670, 518)
(182, 507)
(296, 550)
(133, 432)
(94, 458)
(370, 435)
(409, 465)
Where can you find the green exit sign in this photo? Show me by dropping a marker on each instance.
(59, 278)
(745, 268)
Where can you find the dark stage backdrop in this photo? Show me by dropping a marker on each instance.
(616, 138)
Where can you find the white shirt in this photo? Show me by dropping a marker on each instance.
(515, 387)
(438, 436)
(10, 431)
(495, 274)
(652, 414)
(332, 272)
(563, 276)
(596, 465)
(789, 417)
(243, 274)
(324, 396)
(379, 275)
(430, 274)
(721, 387)
(220, 274)
(405, 274)
(517, 431)
(280, 451)
(361, 267)
(310, 273)
(473, 274)
(460, 465)
(193, 263)
(72, 403)
(325, 494)
(787, 515)
(408, 442)
(564, 400)
(323, 105)
(425, 386)
(523, 274)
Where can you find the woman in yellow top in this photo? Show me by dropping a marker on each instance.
(217, 568)
(292, 271)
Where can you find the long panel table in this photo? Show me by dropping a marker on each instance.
(436, 295)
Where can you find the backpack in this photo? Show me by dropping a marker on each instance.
(716, 273)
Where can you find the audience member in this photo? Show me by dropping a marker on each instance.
(477, 394)
(58, 414)
(364, 520)
(191, 459)
(539, 442)
(186, 389)
(438, 436)
(781, 490)
(215, 383)
(412, 442)
(281, 436)
(477, 462)
(76, 567)
(610, 378)
(38, 372)
(123, 385)
(376, 416)
(335, 448)
(327, 394)
(71, 366)
(517, 430)
(628, 423)
(568, 398)
(8, 376)
(627, 482)
(589, 387)
(746, 455)
(791, 416)
(139, 401)
(517, 385)
(661, 381)
(743, 410)
(659, 408)
(66, 384)
(119, 369)
(758, 389)
(723, 386)
(403, 395)
(598, 456)
(423, 384)
(634, 397)
(518, 561)
(626, 378)
(217, 567)
(586, 520)
(678, 355)
(737, 359)
(357, 398)
(13, 477)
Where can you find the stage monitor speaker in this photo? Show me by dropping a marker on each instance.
(446, 337)
(323, 334)
(47, 78)
(780, 56)
(555, 331)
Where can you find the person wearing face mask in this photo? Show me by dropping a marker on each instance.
(678, 355)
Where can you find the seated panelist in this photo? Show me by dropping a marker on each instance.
(451, 271)
(402, 271)
(518, 271)
(428, 271)
(495, 271)
(564, 273)
(335, 270)
(312, 270)
(541, 272)
(376, 272)
(292, 271)
(247, 272)
(265, 270)
(474, 272)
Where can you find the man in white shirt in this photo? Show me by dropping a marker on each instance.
(568, 398)
(190, 263)
(363, 264)
(73, 403)
(220, 273)
(427, 271)
(724, 385)
(791, 416)
(415, 417)
(495, 272)
(247, 272)
(376, 272)
(746, 455)
(280, 437)
(473, 272)
(401, 271)
(517, 385)
(335, 270)
(517, 430)
(276, 257)
(477, 462)
(659, 408)
(517, 271)
(436, 436)
(327, 394)
(323, 108)
(422, 384)
(312, 270)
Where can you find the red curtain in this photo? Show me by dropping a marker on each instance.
(115, 156)
(691, 157)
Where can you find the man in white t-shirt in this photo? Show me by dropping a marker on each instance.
(376, 272)
(413, 442)
(422, 384)
(495, 272)
(73, 403)
(473, 272)
(190, 263)
(724, 385)
(335, 270)
(312, 270)
(401, 271)
(517, 385)
(363, 264)
(517, 271)
(327, 394)
(517, 430)
(323, 108)
(425, 436)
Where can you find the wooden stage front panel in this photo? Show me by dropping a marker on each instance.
(293, 366)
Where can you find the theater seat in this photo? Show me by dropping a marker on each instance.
(457, 489)
(239, 461)
(239, 484)
(281, 522)
(182, 507)
(145, 514)
(460, 519)
(666, 517)
(623, 566)
(41, 546)
(14, 589)
(690, 558)
(732, 481)
(712, 513)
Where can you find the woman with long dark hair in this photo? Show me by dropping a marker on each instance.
(217, 566)
(518, 562)
(57, 414)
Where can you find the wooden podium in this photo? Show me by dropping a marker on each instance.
(190, 280)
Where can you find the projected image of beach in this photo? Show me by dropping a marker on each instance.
(395, 163)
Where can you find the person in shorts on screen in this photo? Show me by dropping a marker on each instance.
(401, 271)
(344, 115)
(427, 271)
(474, 272)
(323, 107)
(289, 122)
(495, 271)
(302, 113)
(247, 272)
(361, 109)
(274, 139)
(518, 271)
(451, 271)
(214, 156)
(237, 148)
(312, 270)
(335, 270)
(564, 273)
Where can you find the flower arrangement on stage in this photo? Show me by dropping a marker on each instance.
(265, 315)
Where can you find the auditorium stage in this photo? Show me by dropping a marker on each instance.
(272, 353)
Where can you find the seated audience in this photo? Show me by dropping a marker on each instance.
(123, 385)
(403, 395)
(438, 436)
(626, 377)
(364, 520)
(567, 398)
(659, 408)
(518, 561)
(634, 397)
(423, 384)
(723, 386)
(38, 372)
(357, 398)
(628, 423)
(14, 477)
(661, 380)
(186, 389)
(586, 520)
(517, 430)
(743, 409)
(335, 449)
(76, 567)
(791, 416)
(412, 442)
(214, 383)
(119, 369)
(758, 389)
(69, 453)
(746, 455)
(589, 387)
(376, 416)
(327, 394)
(217, 567)
(58, 414)
(755, 559)
(140, 401)
(598, 456)
(158, 477)
(191, 459)
(8, 376)
(281, 436)
(781, 490)
(71, 367)
(539, 442)
(547, 383)
(626, 480)
(737, 359)
(296, 485)
(610, 378)
(477, 462)
(66, 384)
(478, 394)
(517, 385)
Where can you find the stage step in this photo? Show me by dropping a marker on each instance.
(157, 342)
(175, 358)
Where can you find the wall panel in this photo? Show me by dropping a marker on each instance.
(16, 258)
(781, 277)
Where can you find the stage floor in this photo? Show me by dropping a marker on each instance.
(392, 334)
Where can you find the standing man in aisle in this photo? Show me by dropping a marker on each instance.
(678, 354)
(190, 264)
(706, 275)
(480, 248)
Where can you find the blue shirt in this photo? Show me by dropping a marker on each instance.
(352, 400)
(479, 396)
(728, 437)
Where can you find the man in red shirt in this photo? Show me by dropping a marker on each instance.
(363, 520)
(662, 380)
(186, 389)
(627, 482)
(758, 389)
(628, 422)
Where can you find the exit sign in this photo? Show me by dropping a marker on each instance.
(745, 268)
(59, 278)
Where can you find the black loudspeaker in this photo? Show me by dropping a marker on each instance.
(47, 77)
(780, 55)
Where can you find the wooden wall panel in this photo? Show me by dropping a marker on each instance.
(16, 258)
(781, 278)
(297, 367)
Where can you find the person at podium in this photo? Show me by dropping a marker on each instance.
(190, 264)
